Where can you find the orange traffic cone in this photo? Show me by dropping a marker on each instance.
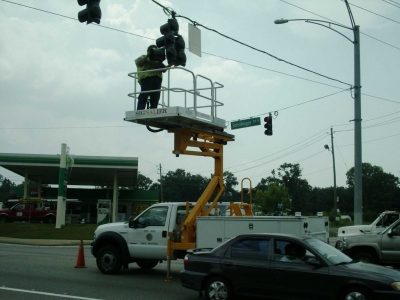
(80, 261)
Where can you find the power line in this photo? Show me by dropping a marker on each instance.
(284, 155)
(246, 45)
(340, 152)
(397, 102)
(347, 124)
(317, 134)
(238, 61)
(308, 157)
(339, 23)
(315, 138)
(370, 141)
(394, 3)
(75, 19)
(294, 105)
(374, 13)
(130, 33)
(263, 68)
(375, 125)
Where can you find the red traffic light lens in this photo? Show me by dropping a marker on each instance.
(266, 119)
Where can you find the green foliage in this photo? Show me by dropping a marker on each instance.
(230, 194)
(289, 175)
(267, 200)
(144, 183)
(380, 190)
(180, 186)
(7, 189)
(321, 199)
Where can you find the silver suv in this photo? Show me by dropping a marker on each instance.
(380, 248)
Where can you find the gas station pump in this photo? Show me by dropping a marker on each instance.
(103, 212)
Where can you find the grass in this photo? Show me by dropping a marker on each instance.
(67, 232)
(47, 231)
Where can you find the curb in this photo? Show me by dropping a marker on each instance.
(42, 242)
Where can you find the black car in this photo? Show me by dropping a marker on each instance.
(283, 266)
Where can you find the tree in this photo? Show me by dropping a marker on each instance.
(230, 194)
(7, 189)
(321, 199)
(380, 190)
(180, 186)
(144, 183)
(289, 175)
(268, 201)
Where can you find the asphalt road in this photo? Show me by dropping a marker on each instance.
(48, 272)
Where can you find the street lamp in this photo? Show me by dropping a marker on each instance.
(334, 174)
(357, 105)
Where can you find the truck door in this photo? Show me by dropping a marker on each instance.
(391, 245)
(147, 235)
(20, 212)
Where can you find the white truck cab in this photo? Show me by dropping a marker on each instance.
(384, 220)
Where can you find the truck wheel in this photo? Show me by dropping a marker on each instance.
(358, 293)
(218, 288)
(3, 219)
(50, 220)
(108, 260)
(365, 257)
(147, 263)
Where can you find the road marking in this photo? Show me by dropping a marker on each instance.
(47, 294)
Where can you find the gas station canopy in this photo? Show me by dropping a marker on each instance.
(85, 170)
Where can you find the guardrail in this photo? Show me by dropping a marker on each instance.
(167, 91)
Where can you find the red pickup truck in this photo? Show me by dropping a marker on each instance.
(28, 212)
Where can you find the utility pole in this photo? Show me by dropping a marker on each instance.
(357, 130)
(161, 189)
(334, 174)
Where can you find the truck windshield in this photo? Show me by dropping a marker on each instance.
(387, 220)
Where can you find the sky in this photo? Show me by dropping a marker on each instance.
(62, 81)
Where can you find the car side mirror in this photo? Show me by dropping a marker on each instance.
(133, 223)
(313, 261)
(390, 232)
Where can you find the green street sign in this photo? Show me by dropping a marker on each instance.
(245, 123)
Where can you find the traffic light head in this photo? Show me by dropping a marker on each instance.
(92, 12)
(172, 43)
(172, 26)
(180, 51)
(157, 54)
(268, 125)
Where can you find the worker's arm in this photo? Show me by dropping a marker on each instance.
(140, 63)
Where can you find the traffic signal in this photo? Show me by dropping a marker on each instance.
(180, 51)
(268, 125)
(173, 43)
(92, 12)
(157, 54)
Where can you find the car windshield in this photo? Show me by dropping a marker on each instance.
(332, 254)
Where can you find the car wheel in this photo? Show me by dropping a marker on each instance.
(218, 288)
(356, 293)
(50, 220)
(365, 257)
(3, 219)
(147, 263)
(108, 260)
